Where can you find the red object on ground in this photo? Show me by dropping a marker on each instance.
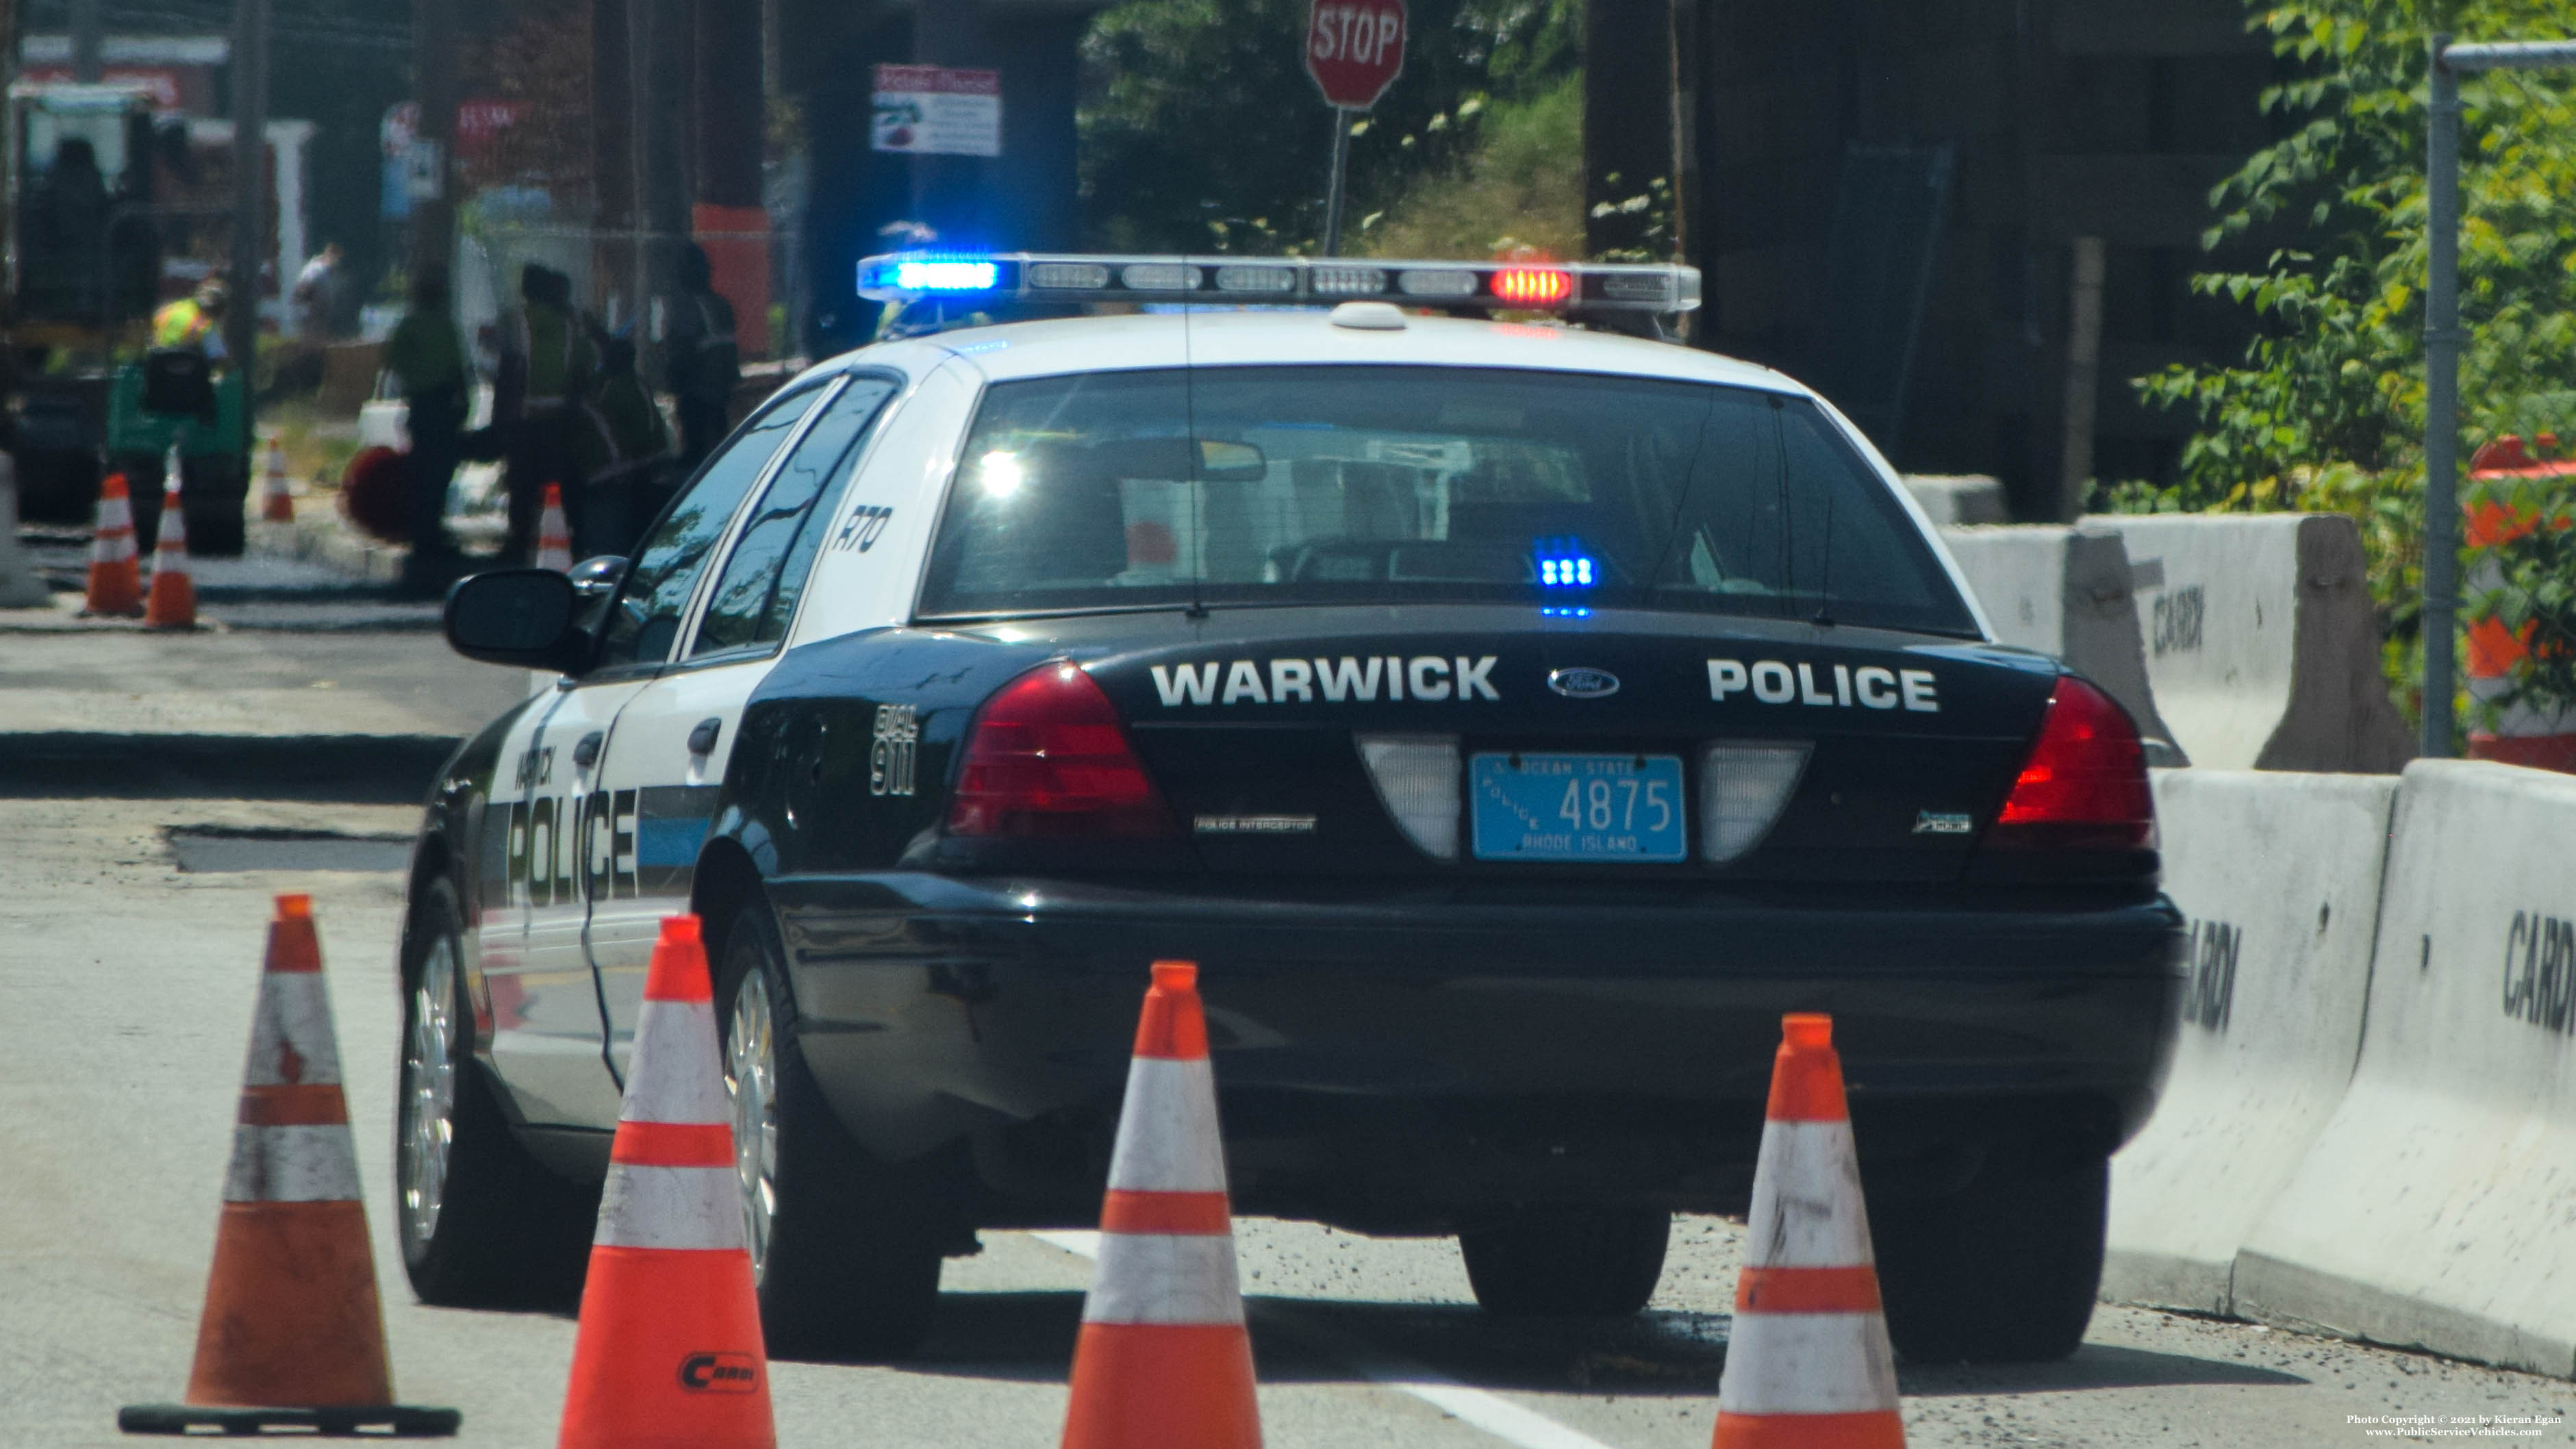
(1355, 49)
(371, 494)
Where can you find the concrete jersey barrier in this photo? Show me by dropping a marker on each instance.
(2280, 876)
(2434, 1210)
(2260, 640)
(1955, 499)
(2066, 591)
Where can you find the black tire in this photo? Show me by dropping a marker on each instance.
(506, 1231)
(850, 1268)
(1566, 1261)
(2002, 1271)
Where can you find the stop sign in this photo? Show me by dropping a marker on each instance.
(1355, 49)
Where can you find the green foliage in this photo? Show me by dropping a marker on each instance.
(1522, 187)
(2326, 409)
(1204, 133)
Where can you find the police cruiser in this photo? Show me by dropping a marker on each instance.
(1512, 717)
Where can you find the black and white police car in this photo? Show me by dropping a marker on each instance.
(1512, 718)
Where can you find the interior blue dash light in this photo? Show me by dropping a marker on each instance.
(1562, 564)
(946, 276)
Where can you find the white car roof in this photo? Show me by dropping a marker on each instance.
(1280, 336)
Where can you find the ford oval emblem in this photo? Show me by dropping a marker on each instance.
(1583, 683)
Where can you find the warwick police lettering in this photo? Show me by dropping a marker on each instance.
(1774, 682)
(2540, 971)
(2211, 995)
(1429, 677)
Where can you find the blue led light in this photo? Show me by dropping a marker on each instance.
(1564, 611)
(1562, 564)
(946, 276)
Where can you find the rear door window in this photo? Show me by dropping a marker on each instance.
(646, 620)
(756, 595)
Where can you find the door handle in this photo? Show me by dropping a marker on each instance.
(586, 754)
(702, 740)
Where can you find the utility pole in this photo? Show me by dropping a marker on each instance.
(88, 40)
(250, 202)
(433, 43)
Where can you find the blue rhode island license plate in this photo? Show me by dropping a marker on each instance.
(1610, 808)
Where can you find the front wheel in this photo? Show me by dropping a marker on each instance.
(845, 1250)
(1566, 1261)
(2004, 1270)
(483, 1223)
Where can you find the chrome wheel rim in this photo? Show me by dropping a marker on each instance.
(429, 1095)
(751, 1077)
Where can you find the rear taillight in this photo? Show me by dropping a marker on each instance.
(1048, 760)
(2084, 786)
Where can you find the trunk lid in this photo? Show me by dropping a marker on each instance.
(1251, 722)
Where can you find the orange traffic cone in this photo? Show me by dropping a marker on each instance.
(1808, 1363)
(1163, 1358)
(115, 575)
(276, 505)
(554, 536)
(669, 1349)
(292, 1334)
(172, 603)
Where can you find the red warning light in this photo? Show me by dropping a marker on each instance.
(1533, 286)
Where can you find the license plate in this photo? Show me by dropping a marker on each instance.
(1609, 808)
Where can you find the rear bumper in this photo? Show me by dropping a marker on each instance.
(1401, 1060)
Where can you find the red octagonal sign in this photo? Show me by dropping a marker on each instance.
(1355, 49)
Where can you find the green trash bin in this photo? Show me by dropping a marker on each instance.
(217, 482)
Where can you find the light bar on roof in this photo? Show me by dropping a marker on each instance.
(1566, 288)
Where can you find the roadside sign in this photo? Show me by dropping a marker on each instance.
(1355, 49)
(930, 110)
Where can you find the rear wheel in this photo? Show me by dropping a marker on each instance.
(2004, 1270)
(1566, 1261)
(483, 1223)
(846, 1253)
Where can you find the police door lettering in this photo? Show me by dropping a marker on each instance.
(1431, 678)
(607, 845)
(1774, 681)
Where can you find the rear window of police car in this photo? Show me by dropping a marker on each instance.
(1322, 485)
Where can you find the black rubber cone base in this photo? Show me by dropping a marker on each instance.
(388, 1421)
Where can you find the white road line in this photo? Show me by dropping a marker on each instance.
(1474, 1407)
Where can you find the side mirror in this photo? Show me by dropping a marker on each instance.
(596, 578)
(521, 617)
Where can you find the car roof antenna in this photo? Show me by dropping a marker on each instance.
(1190, 432)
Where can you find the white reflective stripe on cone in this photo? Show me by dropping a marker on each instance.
(114, 513)
(294, 1012)
(672, 1076)
(670, 1207)
(1807, 1363)
(1167, 1137)
(1814, 1219)
(303, 1163)
(1164, 1279)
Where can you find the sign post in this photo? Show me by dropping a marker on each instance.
(1354, 51)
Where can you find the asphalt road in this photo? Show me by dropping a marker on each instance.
(125, 993)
